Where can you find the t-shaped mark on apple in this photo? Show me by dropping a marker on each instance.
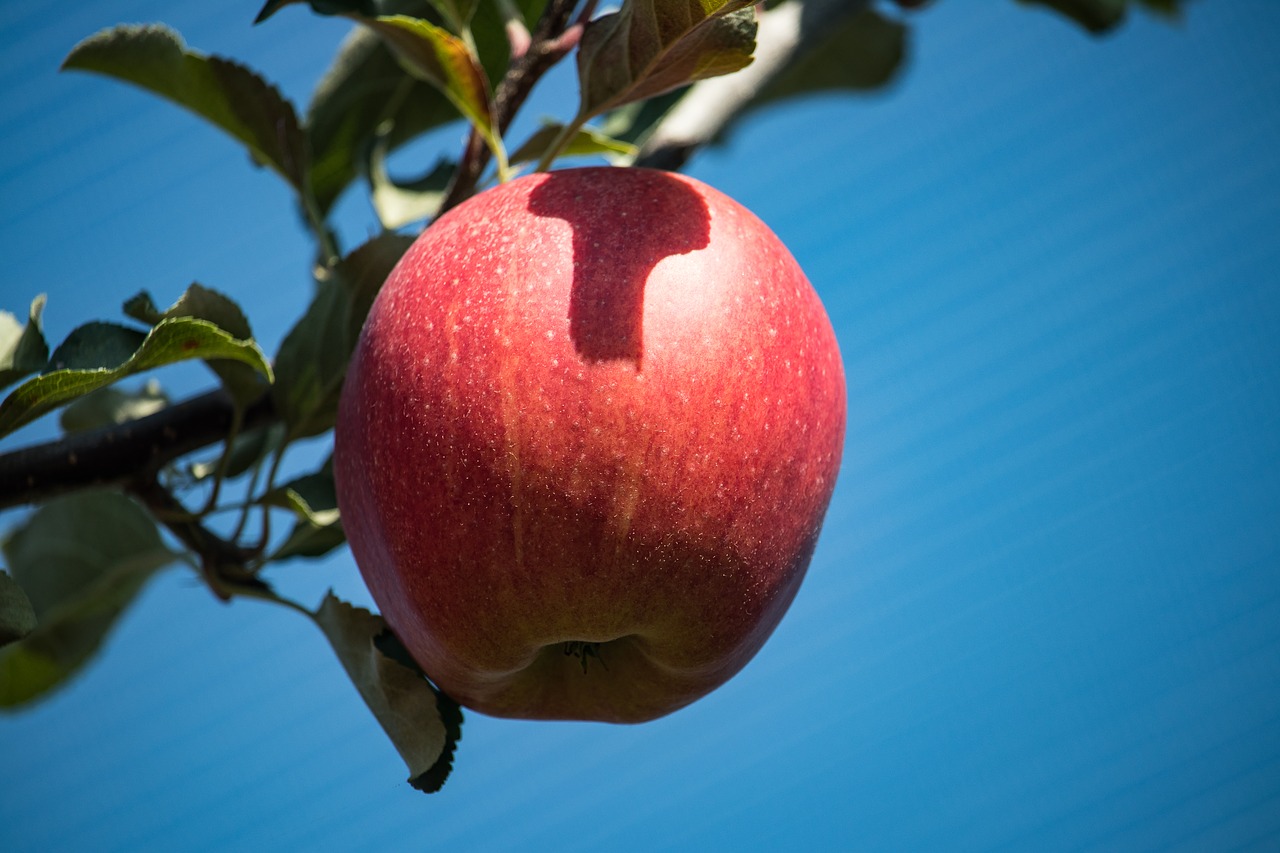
(618, 238)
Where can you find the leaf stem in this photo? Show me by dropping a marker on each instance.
(562, 140)
(237, 420)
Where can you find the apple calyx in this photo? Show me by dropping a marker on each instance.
(584, 650)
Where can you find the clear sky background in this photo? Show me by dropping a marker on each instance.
(1045, 611)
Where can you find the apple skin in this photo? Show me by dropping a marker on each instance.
(586, 443)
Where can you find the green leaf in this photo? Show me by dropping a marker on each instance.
(314, 501)
(17, 616)
(863, 51)
(587, 142)
(368, 8)
(22, 347)
(81, 559)
(1096, 16)
(112, 406)
(423, 725)
(95, 345)
(634, 122)
(400, 203)
(230, 96)
(458, 13)
(444, 60)
(312, 498)
(312, 362)
(309, 541)
(242, 381)
(99, 354)
(365, 95)
(651, 46)
(313, 357)
(196, 301)
(247, 450)
(1167, 8)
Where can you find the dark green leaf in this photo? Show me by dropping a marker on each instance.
(863, 51)
(587, 142)
(1096, 16)
(423, 726)
(367, 8)
(456, 13)
(96, 345)
(314, 501)
(651, 46)
(99, 354)
(111, 406)
(311, 498)
(17, 616)
(22, 347)
(363, 272)
(80, 559)
(313, 357)
(247, 450)
(489, 30)
(1168, 8)
(312, 362)
(242, 381)
(365, 94)
(224, 93)
(196, 301)
(309, 541)
(634, 122)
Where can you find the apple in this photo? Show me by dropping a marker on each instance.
(586, 442)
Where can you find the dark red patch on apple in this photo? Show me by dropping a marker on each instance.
(618, 238)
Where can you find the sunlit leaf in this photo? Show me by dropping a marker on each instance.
(587, 142)
(22, 346)
(399, 203)
(242, 381)
(651, 46)
(423, 725)
(80, 560)
(223, 92)
(98, 354)
(444, 60)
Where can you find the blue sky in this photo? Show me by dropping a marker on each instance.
(1045, 610)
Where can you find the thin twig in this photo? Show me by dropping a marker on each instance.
(223, 564)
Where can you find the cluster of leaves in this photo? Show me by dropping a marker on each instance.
(407, 68)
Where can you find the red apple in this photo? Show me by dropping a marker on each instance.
(586, 443)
